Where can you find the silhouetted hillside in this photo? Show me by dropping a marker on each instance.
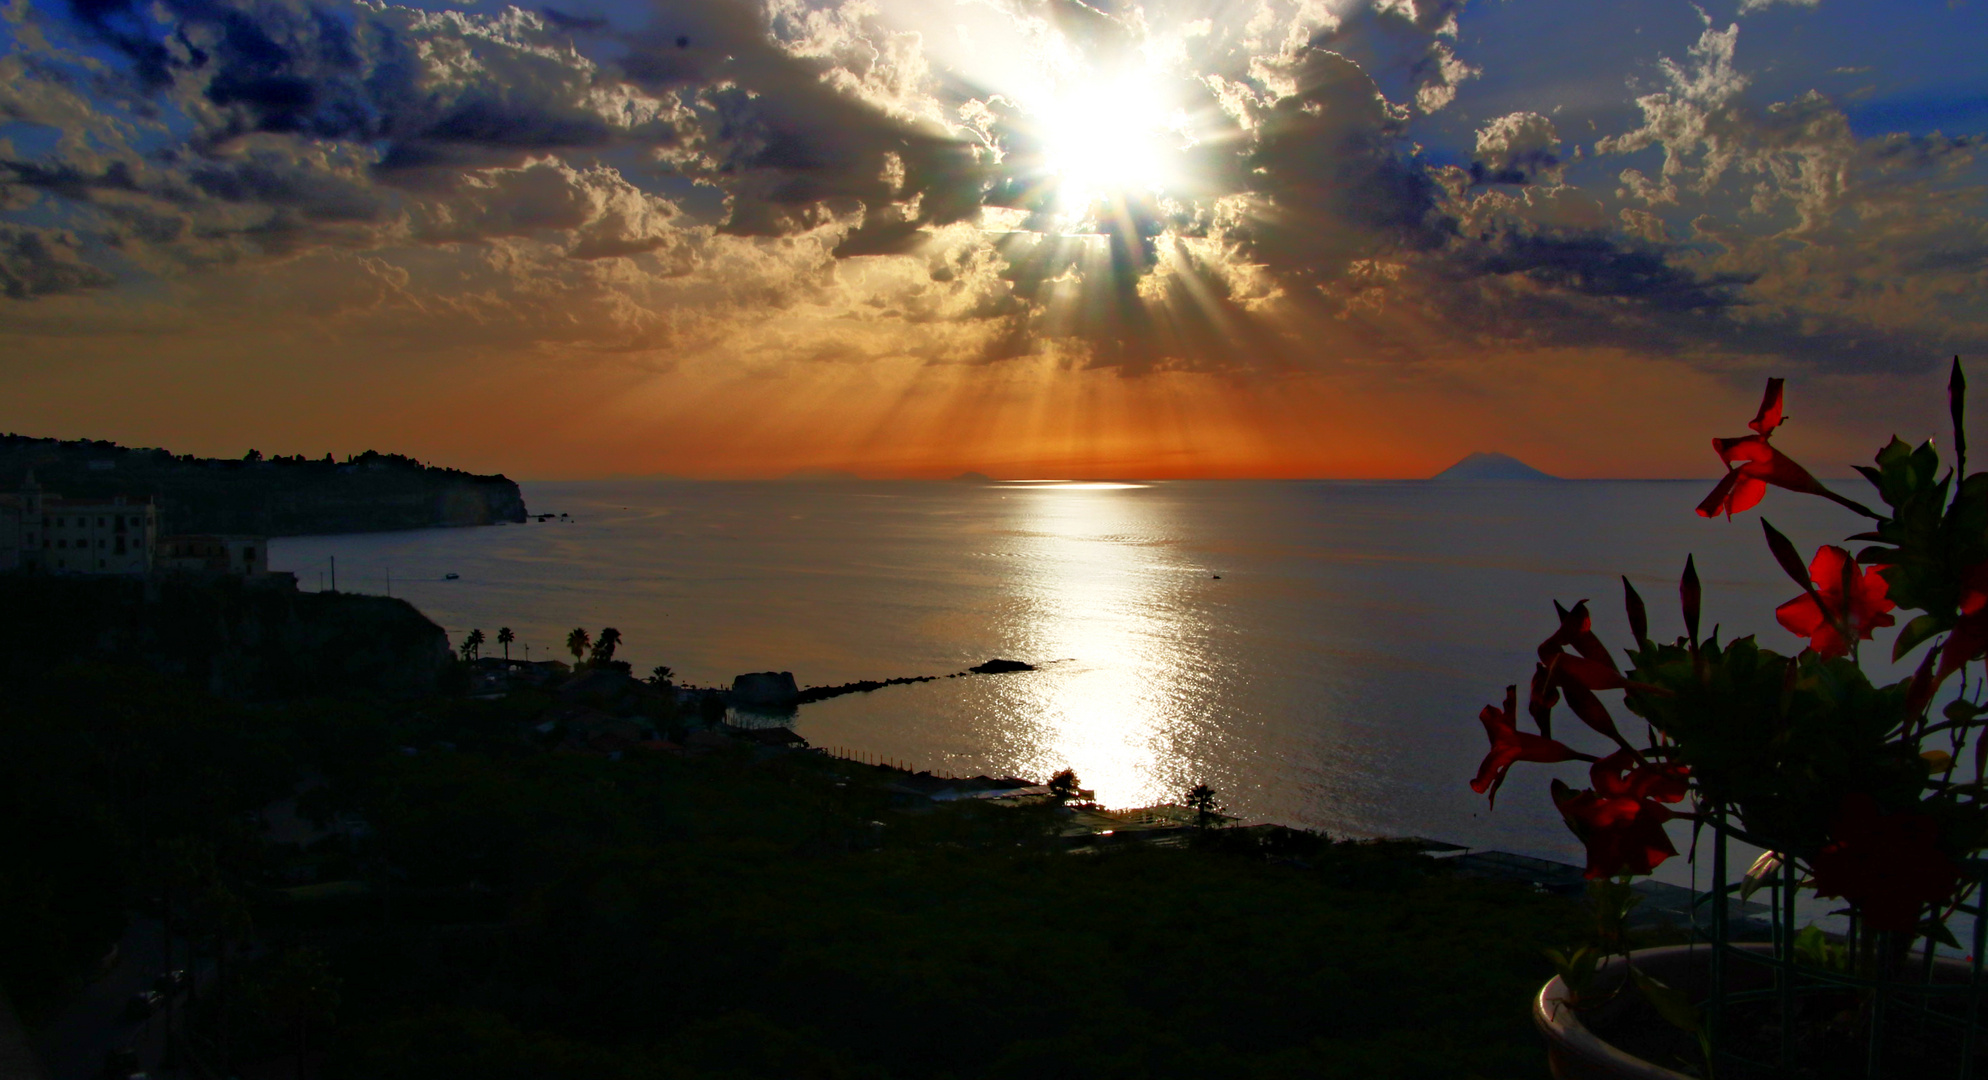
(233, 638)
(280, 496)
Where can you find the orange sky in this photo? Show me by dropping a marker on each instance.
(543, 413)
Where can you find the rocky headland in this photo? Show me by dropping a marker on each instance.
(275, 496)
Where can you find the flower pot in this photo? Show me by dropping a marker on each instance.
(1574, 1052)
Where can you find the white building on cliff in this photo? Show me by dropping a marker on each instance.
(40, 531)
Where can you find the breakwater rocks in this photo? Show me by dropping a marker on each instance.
(281, 496)
(864, 686)
(996, 666)
(236, 638)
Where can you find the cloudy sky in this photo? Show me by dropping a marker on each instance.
(1029, 237)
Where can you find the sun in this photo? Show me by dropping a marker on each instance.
(1107, 138)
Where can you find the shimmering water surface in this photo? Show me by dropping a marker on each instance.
(1315, 651)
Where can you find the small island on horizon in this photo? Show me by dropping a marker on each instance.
(1492, 466)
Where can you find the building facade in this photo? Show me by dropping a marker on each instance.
(41, 531)
(214, 554)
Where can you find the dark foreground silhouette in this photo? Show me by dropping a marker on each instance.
(492, 883)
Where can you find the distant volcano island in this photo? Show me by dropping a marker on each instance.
(1487, 466)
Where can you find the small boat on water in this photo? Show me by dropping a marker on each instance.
(450, 577)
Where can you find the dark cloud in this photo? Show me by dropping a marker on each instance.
(1410, 45)
(68, 180)
(37, 262)
(794, 146)
(1334, 176)
(574, 24)
(354, 74)
(1599, 265)
(273, 180)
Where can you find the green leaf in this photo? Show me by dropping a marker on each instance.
(1785, 554)
(1925, 464)
(1961, 710)
(1916, 632)
(1813, 947)
(1671, 1003)
(1894, 453)
(1577, 972)
(1881, 556)
(1938, 933)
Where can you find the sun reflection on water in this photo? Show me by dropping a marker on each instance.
(1106, 601)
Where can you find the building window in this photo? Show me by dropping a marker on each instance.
(100, 523)
(135, 521)
(62, 543)
(248, 555)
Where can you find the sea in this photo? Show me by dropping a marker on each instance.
(1315, 651)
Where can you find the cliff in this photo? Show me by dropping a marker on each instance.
(282, 496)
(238, 640)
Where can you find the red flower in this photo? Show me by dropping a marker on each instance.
(1853, 602)
(1621, 819)
(1752, 464)
(1970, 634)
(1886, 865)
(1509, 744)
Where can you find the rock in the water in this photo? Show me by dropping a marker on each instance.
(1491, 467)
(998, 666)
(776, 688)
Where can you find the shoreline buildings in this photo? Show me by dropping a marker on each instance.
(43, 531)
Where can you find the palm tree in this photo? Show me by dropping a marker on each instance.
(577, 642)
(472, 645)
(504, 638)
(1202, 798)
(605, 645)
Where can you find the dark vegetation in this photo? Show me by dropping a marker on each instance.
(484, 901)
(228, 635)
(273, 496)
